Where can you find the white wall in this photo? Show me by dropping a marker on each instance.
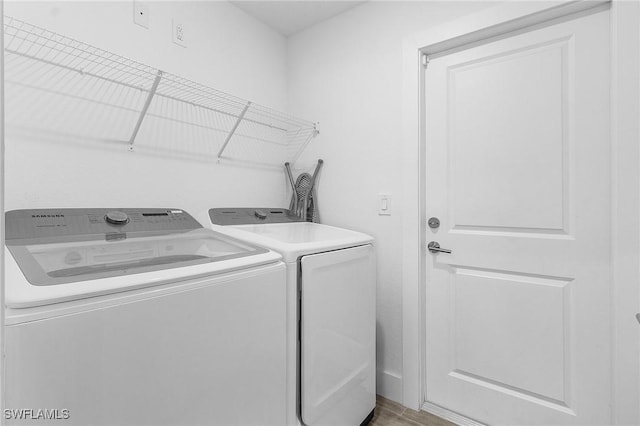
(347, 73)
(228, 50)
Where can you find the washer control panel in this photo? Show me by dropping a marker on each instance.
(44, 223)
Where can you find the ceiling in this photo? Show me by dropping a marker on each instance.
(290, 17)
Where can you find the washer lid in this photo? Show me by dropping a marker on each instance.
(296, 239)
(19, 293)
(67, 262)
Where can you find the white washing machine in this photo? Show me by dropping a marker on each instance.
(140, 317)
(331, 299)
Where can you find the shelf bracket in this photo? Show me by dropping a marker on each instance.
(233, 130)
(315, 132)
(147, 103)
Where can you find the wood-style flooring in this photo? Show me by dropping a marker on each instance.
(389, 413)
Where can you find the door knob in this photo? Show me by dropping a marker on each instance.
(434, 247)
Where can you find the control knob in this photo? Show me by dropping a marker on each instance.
(116, 218)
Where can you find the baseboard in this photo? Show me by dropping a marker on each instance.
(450, 415)
(389, 385)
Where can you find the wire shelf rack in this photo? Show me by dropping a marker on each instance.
(62, 86)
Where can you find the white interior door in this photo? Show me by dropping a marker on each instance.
(518, 172)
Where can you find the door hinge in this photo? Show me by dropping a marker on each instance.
(425, 60)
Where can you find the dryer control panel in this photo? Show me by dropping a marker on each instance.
(251, 215)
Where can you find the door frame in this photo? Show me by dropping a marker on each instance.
(625, 207)
(2, 180)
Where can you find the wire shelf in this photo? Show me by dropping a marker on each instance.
(63, 86)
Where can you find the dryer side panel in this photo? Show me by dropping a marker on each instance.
(338, 317)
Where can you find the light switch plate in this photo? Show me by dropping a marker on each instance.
(384, 204)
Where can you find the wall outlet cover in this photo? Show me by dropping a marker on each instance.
(141, 13)
(179, 32)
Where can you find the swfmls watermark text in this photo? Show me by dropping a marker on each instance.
(36, 414)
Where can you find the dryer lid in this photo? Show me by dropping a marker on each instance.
(296, 239)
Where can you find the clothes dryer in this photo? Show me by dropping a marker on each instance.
(331, 299)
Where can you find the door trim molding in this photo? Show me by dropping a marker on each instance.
(625, 135)
(625, 211)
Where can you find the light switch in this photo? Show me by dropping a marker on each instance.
(384, 204)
